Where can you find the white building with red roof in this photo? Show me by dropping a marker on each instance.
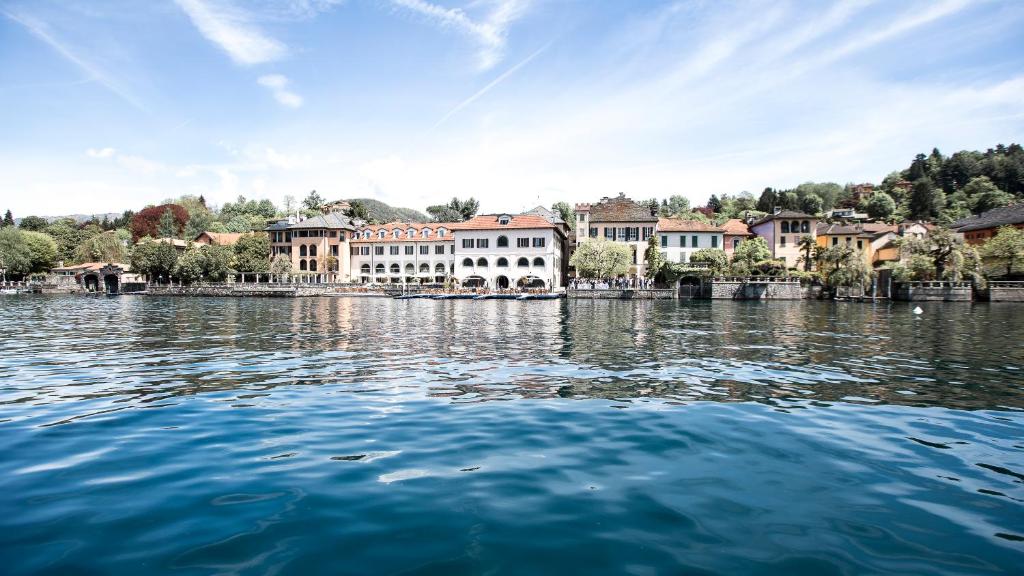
(680, 238)
(402, 252)
(502, 251)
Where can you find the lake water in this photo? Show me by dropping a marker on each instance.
(355, 436)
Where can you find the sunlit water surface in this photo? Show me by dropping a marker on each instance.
(356, 436)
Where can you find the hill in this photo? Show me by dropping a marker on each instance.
(381, 212)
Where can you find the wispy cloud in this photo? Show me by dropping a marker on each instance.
(278, 86)
(100, 152)
(234, 30)
(40, 30)
(489, 33)
(490, 85)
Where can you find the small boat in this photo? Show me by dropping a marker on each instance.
(547, 296)
(411, 296)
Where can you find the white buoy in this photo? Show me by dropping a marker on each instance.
(917, 310)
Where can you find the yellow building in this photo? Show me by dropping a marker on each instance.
(873, 240)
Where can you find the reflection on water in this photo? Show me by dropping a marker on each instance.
(245, 435)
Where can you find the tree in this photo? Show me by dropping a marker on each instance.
(198, 222)
(281, 265)
(15, 254)
(789, 200)
(811, 204)
(189, 267)
(289, 204)
(806, 244)
(767, 201)
(922, 202)
(313, 202)
(330, 263)
(43, 250)
(357, 211)
(216, 262)
(154, 258)
(105, 247)
(716, 259)
(252, 253)
(167, 227)
(601, 259)
(714, 204)
(1006, 248)
(454, 211)
(565, 212)
(843, 265)
(983, 195)
(33, 223)
(147, 222)
(8, 219)
(751, 251)
(880, 206)
(654, 257)
(675, 206)
(68, 236)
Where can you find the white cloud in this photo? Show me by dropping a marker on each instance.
(489, 33)
(234, 30)
(100, 152)
(278, 86)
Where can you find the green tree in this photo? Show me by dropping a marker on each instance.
(983, 195)
(715, 204)
(807, 244)
(565, 211)
(281, 265)
(105, 247)
(768, 200)
(922, 204)
(33, 224)
(198, 222)
(843, 265)
(154, 258)
(216, 262)
(881, 206)
(716, 259)
(1006, 248)
(601, 259)
(8, 219)
(313, 202)
(68, 237)
(751, 251)
(811, 204)
(676, 206)
(454, 211)
(252, 253)
(357, 211)
(189, 267)
(167, 227)
(15, 254)
(654, 257)
(43, 250)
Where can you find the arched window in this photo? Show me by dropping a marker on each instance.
(425, 232)
(379, 269)
(502, 241)
(395, 269)
(502, 262)
(467, 262)
(302, 251)
(538, 261)
(410, 269)
(396, 233)
(312, 250)
(439, 269)
(805, 226)
(302, 264)
(785, 227)
(523, 263)
(794, 226)
(364, 269)
(411, 232)
(441, 232)
(481, 262)
(425, 268)
(312, 265)
(381, 233)
(366, 234)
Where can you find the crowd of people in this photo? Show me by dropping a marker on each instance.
(621, 283)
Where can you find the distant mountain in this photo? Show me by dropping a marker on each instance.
(79, 218)
(381, 212)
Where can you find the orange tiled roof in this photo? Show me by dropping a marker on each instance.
(736, 227)
(681, 225)
(403, 236)
(516, 221)
(222, 238)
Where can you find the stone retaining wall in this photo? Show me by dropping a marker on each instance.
(756, 290)
(933, 291)
(627, 294)
(1006, 291)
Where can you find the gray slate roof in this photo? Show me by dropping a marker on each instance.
(1005, 216)
(784, 215)
(332, 221)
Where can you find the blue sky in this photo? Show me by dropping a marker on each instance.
(108, 105)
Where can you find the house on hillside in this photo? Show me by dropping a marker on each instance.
(782, 231)
(618, 219)
(218, 238)
(680, 238)
(735, 231)
(978, 229)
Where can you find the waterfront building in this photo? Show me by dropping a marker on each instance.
(680, 238)
(217, 238)
(978, 229)
(735, 231)
(618, 219)
(868, 238)
(403, 253)
(782, 231)
(317, 245)
(503, 251)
